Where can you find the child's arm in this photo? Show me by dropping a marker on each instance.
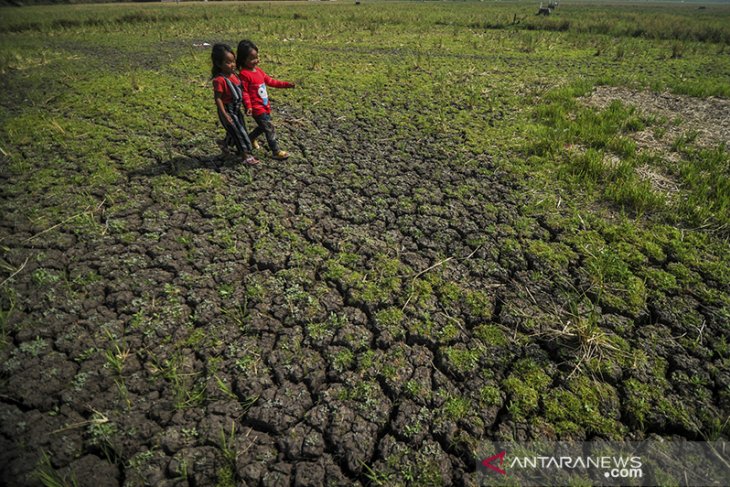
(275, 83)
(222, 107)
(244, 94)
(219, 86)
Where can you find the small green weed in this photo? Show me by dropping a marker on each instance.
(34, 347)
(377, 477)
(102, 434)
(49, 477)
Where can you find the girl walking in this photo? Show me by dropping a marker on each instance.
(256, 98)
(228, 98)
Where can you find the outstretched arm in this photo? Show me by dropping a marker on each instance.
(275, 83)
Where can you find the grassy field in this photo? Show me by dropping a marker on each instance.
(493, 226)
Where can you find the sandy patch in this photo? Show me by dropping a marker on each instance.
(704, 121)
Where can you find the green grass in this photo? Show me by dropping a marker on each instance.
(575, 252)
(484, 93)
(47, 475)
(592, 152)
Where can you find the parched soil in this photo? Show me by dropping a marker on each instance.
(369, 311)
(261, 341)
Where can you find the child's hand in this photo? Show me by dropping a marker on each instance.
(249, 112)
(229, 119)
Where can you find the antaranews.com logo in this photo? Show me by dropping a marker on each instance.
(617, 467)
(645, 463)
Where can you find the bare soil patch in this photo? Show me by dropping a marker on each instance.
(709, 117)
(704, 121)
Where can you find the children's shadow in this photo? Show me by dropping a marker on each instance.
(178, 166)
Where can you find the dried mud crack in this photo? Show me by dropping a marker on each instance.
(368, 312)
(308, 322)
(270, 325)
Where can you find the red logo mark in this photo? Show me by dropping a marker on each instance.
(487, 462)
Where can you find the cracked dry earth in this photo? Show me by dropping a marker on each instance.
(244, 326)
(296, 323)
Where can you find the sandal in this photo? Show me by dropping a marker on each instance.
(250, 160)
(281, 155)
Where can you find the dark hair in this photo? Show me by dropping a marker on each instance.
(244, 49)
(218, 55)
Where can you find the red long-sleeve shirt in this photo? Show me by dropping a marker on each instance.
(255, 96)
(221, 87)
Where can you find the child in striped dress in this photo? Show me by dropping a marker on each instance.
(228, 98)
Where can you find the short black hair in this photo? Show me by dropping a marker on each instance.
(217, 56)
(244, 49)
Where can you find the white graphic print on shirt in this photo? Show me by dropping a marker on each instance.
(263, 94)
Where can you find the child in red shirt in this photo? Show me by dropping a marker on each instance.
(255, 97)
(228, 97)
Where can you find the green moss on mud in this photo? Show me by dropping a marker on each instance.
(525, 386)
(583, 408)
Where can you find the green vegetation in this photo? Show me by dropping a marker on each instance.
(48, 476)
(490, 225)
